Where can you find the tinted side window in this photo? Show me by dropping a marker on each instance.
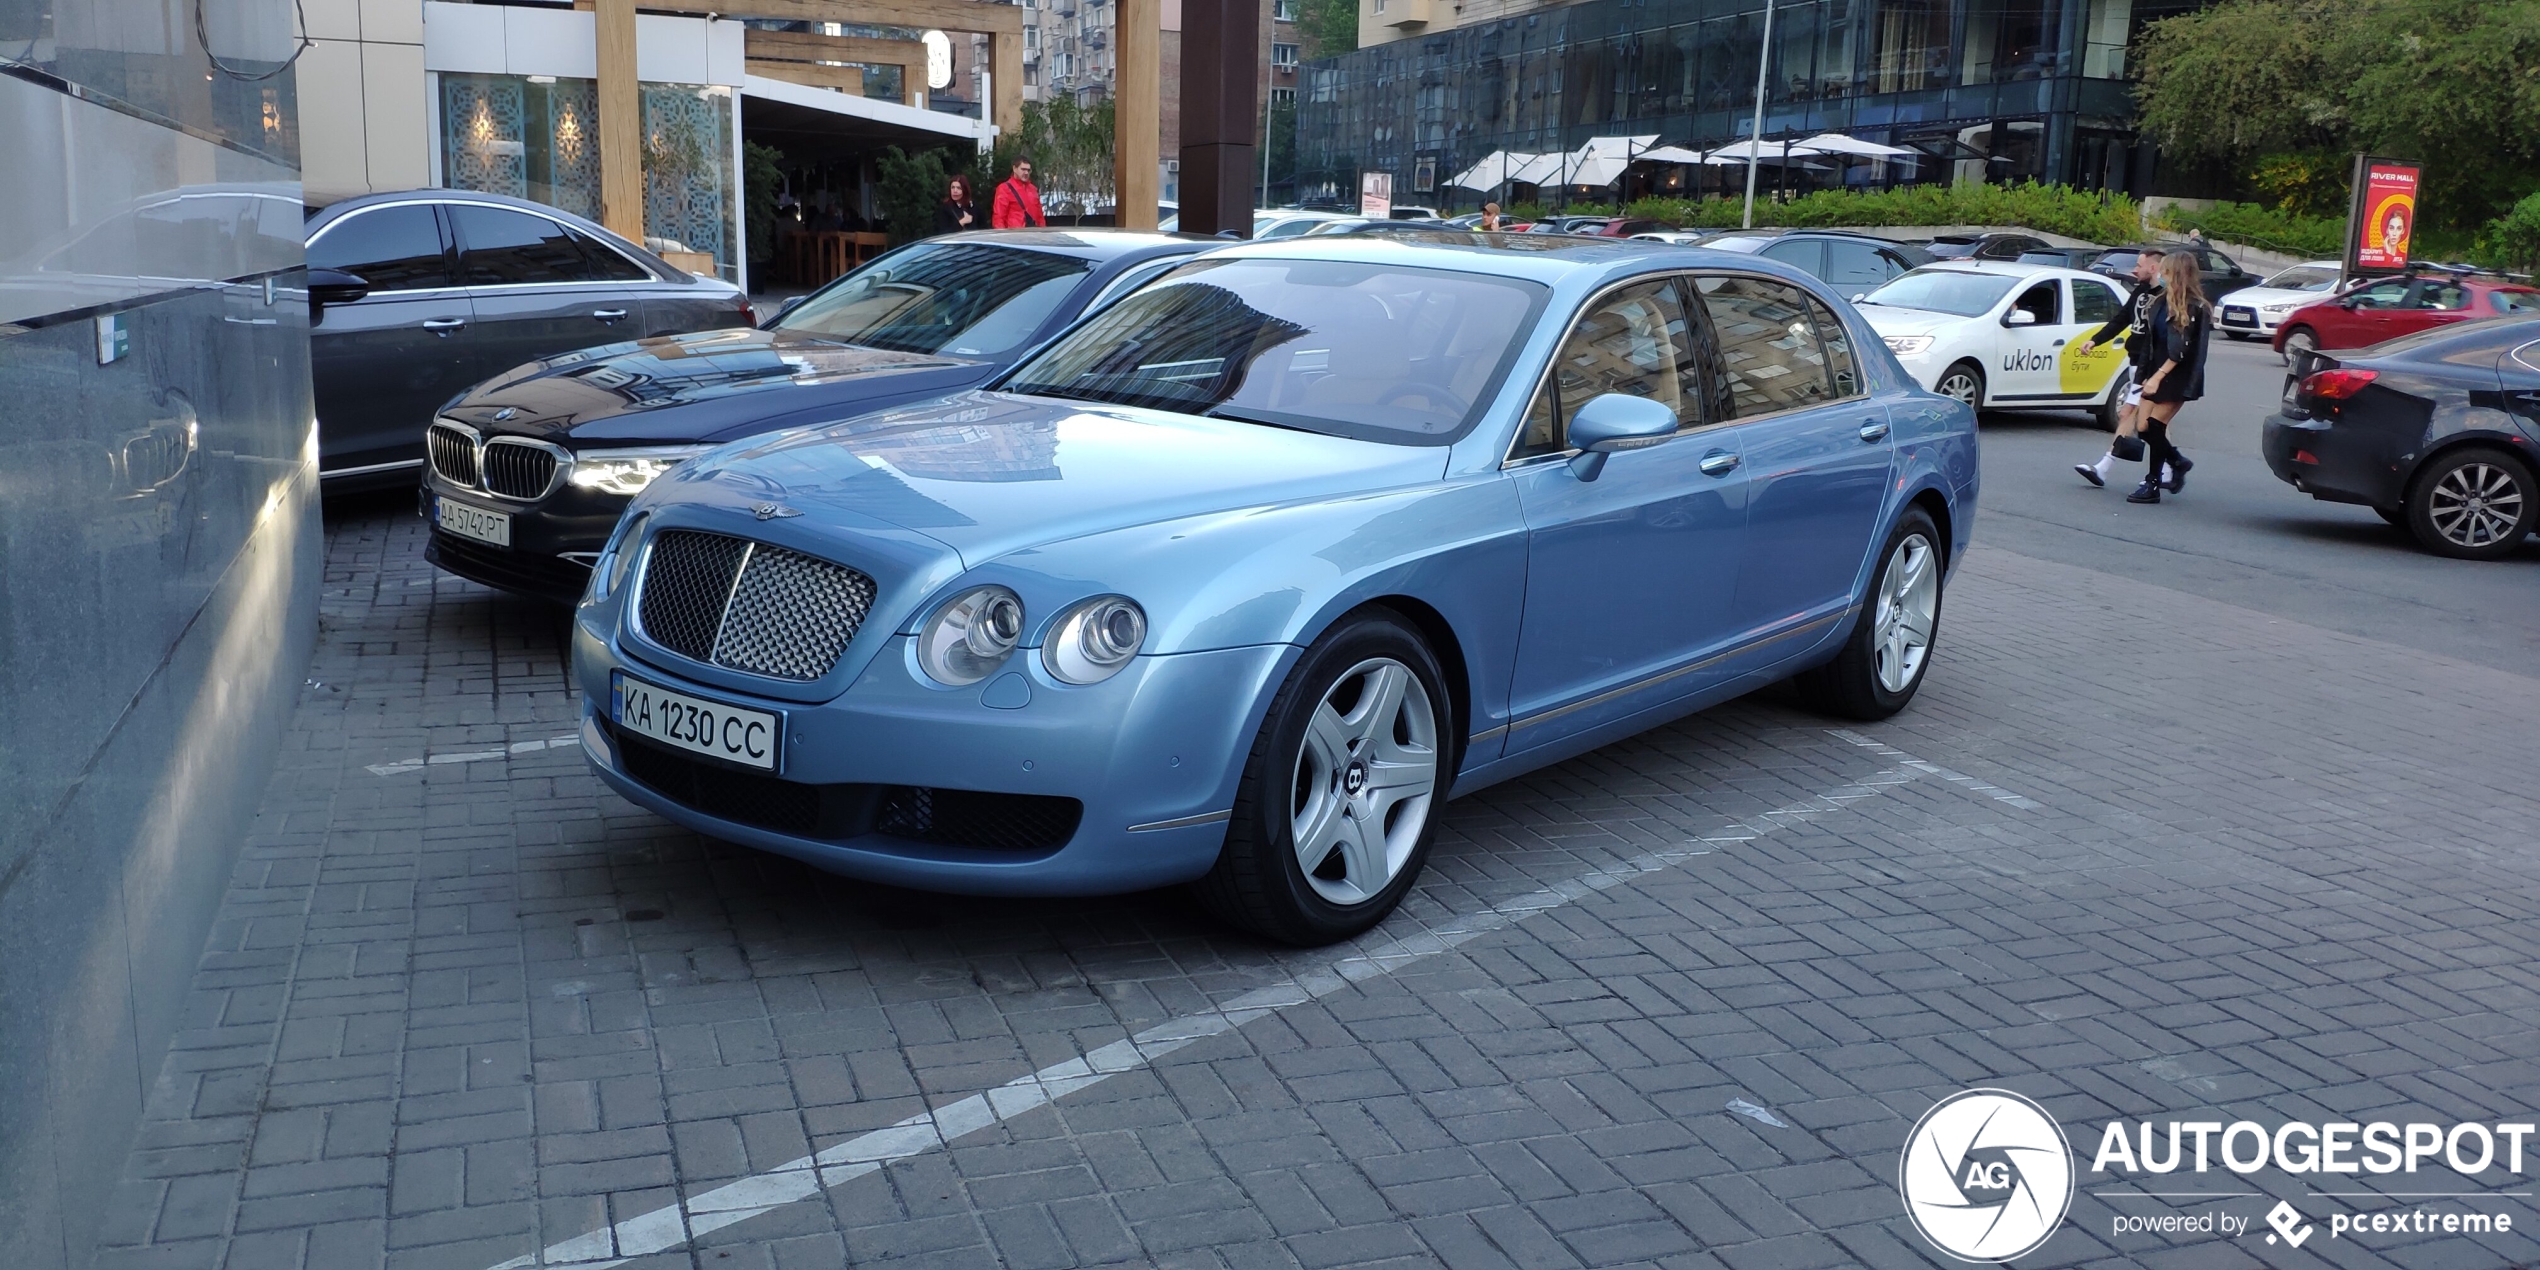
(607, 263)
(1807, 255)
(2093, 302)
(392, 248)
(1837, 344)
(2382, 295)
(1857, 265)
(1768, 344)
(2515, 302)
(499, 246)
(1634, 341)
(2040, 302)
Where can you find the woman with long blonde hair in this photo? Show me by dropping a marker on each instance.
(2182, 331)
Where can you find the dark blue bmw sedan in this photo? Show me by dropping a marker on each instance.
(528, 471)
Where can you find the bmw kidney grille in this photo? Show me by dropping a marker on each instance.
(748, 606)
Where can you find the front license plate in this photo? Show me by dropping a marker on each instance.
(2240, 315)
(473, 522)
(730, 733)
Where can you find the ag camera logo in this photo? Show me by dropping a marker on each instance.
(1987, 1175)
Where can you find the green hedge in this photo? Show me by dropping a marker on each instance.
(2053, 209)
(2311, 237)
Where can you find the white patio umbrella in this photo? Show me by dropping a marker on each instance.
(1542, 168)
(1601, 161)
(1670, 154)
(1837, 143)
(1496, 169)
(1770, 152)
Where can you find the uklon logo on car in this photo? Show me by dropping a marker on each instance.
(2088, 372)
(2020, 359)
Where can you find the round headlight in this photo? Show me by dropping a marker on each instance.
(1093, 640)
(969, 638)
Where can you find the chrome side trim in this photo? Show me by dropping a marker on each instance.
(1492, 735)
(1679, 671)
(1185, 822)
(365, 471)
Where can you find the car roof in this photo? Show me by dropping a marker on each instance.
(1091, 243)
(1551, 259)
(2007, 269)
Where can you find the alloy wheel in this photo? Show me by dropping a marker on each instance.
(1961, 385)
(2475, 505)
(1365, 781)
(1908, 608)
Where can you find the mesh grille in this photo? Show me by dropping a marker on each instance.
(968, 818)
(787, 616)
(764, 801)
(453, 453)
(687, 581)
(792, 615)
(518, 471)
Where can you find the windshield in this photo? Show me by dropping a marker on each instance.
(1379, 352)
(2303, 278)
(965, 299)
(1944, 291)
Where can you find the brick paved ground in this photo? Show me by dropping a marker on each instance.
(465, 1010)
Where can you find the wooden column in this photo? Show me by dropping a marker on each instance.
(1138, 106)
(1221, 111)
(621, 121)
(1005, 79)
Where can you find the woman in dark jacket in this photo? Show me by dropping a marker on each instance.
(2181, 335)
(957, 212)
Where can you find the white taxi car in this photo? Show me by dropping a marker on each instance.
(2001, 335)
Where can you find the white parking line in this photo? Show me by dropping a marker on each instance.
(1960, 779)
(672, 1225)
(403, 766)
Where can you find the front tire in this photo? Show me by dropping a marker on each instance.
(1883, 663)
(2473, 504)
(1341, 795)
(1963, 381)
(2299, 340)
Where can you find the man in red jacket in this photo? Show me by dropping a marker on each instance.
(1018, 202)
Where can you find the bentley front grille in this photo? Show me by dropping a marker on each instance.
(749, 606)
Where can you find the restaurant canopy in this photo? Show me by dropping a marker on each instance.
(1496, 169)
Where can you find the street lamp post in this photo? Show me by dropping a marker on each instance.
(1755, 144)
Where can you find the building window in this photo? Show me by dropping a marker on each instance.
(1031, 74)
(1031, 37)
(1285, 10)
(1282, 96)
(1380, 6)
(1283, 56)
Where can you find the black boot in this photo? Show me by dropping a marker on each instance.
(2148, 492)
(2180, 466)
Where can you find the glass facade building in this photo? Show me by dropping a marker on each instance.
(2000, 90)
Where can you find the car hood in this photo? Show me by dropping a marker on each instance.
(2256, 297)
(1888, 320)
(990, 474)
(713, 385)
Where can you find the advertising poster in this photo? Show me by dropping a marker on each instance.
(2382, 218)
(1375, 194)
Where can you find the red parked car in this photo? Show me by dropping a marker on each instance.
(2399, 306)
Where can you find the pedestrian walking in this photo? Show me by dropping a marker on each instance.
(2182, 335)
(2134, 321)
(959, 210)
(1018, 203)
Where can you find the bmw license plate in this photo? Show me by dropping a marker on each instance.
(472, 522)
(730, 733)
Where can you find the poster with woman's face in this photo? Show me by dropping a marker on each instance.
(2390, 200)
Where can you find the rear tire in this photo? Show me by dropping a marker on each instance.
(1883, 663)
(1354, 760)
(2473, 504)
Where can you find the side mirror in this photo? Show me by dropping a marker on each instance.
(1859, 296)
(2350, 300)
(2019, 317)
(1616, 421)
(785, 308)
(334, 286)
(1230, 234)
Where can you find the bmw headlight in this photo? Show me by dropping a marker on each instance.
(1908, 345)
(969, 638)
(628, 471)
(1092, 640)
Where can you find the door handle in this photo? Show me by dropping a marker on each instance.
(1719, 463)
(444, 326)
(609, 315)
(2056, 344)
(1874, 430)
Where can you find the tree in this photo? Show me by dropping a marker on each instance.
(1328, 27)
(910, 186)
(760, 179)
(2454, 84)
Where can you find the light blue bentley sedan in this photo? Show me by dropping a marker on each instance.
(1236, 582)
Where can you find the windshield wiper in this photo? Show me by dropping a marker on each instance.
(1220, 412)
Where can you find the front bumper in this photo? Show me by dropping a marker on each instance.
(1149, 759)
(2259, 322)
(553, 540)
